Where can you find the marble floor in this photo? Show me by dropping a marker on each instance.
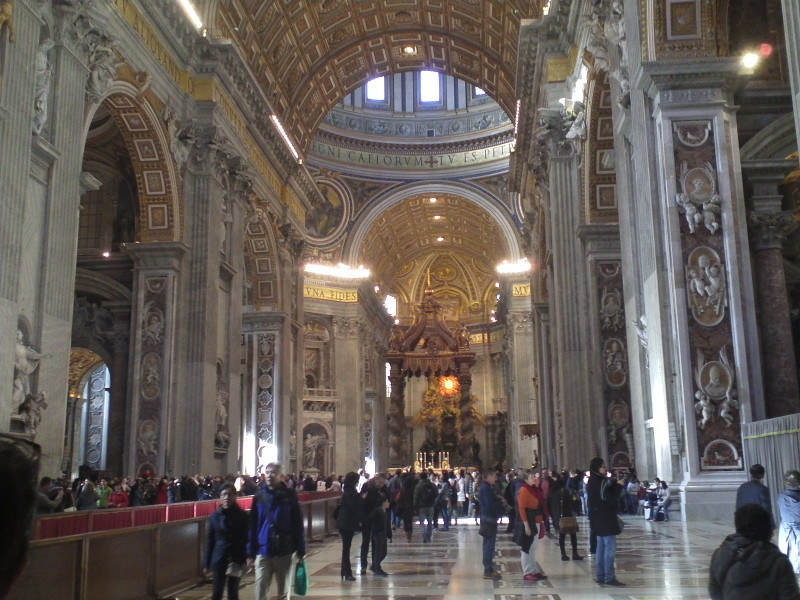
(658, 561)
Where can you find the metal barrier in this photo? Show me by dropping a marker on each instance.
(137, 562)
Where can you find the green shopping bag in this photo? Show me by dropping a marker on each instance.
(300, 578)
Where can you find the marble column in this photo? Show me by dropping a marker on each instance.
(521, 400)
(350, 417)
(568, 308)
(769, 226)
(398, 449)
(153, 415)
(118, 410)
(466, 435)
(541, 382)
(264, 341)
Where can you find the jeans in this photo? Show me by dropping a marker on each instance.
(266, 568)
(220, 581)
(347, 541)
(488, 554)
(426, 514)
(528, 559)
(446, 516)
(606, 548)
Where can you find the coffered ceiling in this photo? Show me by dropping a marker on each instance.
(308, 54)
(409, 231)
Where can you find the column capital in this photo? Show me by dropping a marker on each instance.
(769, 228)
(689, 83)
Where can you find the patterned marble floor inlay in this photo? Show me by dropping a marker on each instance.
(658, 561)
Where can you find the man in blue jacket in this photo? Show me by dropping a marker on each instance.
(604, 494)
(276, 533)
(226, 544)
(755, 492)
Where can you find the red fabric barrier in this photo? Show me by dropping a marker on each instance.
(308, 496)
(63, 525)
(246, 503)
(103, 520)
(180, 510)
(149, 515)
(203, 509)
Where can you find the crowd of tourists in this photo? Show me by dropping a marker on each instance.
(534, 503)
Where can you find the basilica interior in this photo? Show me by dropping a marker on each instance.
(392, 233)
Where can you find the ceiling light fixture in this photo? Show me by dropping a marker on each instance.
(750, 60)
(439, 239)
(192, 13)
(279, 126)
(341, 270)
(410, 50)
(521, 266)
(437, 217)
(106, 254)
(433, 200)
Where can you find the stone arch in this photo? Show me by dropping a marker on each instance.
(777, 140)
(384, 202)
(261, 263)
(157, 179)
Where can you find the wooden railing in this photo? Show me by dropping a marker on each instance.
(138, 560)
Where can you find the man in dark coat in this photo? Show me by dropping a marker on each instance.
(603, 499)
(374, 493)
(492, 507)
(276, 533)
(747, 565)
(755, 492)
(226, 544)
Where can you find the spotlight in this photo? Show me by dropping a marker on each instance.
(750, 60)
(765, 50)
(433, 200)
(106, 254)
(410, 50)
(439, 239)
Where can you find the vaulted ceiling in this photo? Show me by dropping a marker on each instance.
(409, 231)
(308, 54)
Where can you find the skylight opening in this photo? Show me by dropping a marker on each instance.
(429, 89)
(376, 89)
(479, 92)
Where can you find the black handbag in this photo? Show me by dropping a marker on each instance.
(487, 528)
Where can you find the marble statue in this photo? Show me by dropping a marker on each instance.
(310, 446)
(31, 412)
(44, 73)
(395, 338)
(578, 128)
(727, 405)
(699, 201)
(26, 361)
(704, 408)
(7, 18)
(463, 337)
(102, 67)
(641, 333)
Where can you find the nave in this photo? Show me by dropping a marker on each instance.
(658, 561)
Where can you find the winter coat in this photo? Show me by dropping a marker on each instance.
(742, 568)
(603, 499)
(226, 537)
(351, 511)
(276, 524)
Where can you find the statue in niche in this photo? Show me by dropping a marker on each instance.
(700, 201)
(31, 412)
(463, 337)
(615, 362)
(44, 73)
(26, 361)
(311, 446)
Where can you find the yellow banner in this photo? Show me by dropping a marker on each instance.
(521, 289)
(318, 292)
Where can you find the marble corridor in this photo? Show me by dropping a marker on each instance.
(658, 561)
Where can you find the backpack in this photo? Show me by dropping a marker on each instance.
(428, 495)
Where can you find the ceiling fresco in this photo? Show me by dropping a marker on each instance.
(307, 55)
